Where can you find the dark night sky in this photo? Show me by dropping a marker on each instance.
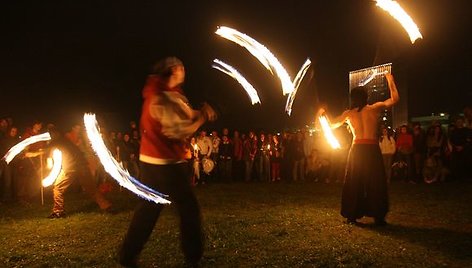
(61, 58)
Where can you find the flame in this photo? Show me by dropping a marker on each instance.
(259, 51)
(296, 83)
(397, 12)
(113, 168)
(229, 70)
(15, 150)
(328, 133)
(56, 168)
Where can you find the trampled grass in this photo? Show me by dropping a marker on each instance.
(254, 225)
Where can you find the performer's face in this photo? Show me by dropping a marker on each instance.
(179, 73)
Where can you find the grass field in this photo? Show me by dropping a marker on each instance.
(254, 225)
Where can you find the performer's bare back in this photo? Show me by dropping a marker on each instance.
(364, 123)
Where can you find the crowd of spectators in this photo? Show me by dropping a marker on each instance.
(20, 180)
(413, 153)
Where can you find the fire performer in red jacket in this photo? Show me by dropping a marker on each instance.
(166, 120)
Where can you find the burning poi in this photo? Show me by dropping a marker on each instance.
(328, 132)
(259, 51)
(296, 83)
(19, 147)
(56, 167)
(231, 71)
(401, 16)
(113, 168)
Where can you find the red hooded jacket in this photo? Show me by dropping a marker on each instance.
(165, 113)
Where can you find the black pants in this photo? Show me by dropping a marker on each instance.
(174, 181)
(365, 187)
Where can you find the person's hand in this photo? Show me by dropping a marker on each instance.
(33, 154)
(208, 112)
(321, 111)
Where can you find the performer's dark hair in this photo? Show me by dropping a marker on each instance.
(358, 98)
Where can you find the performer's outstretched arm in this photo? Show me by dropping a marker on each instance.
(337, 121)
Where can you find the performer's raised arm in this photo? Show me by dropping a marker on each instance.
(394, 96)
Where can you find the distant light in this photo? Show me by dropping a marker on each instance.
(442, 114)
(384, 118)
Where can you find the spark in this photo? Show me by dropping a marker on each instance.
(231, 71)
(19, 147)
(296, 83)
(262, 53)
(113, 168)
(398, 13)
(328, 133)
(56, 168)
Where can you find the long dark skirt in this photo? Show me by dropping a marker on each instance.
(365, 187)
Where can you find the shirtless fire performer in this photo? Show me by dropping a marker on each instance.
(365, 187)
